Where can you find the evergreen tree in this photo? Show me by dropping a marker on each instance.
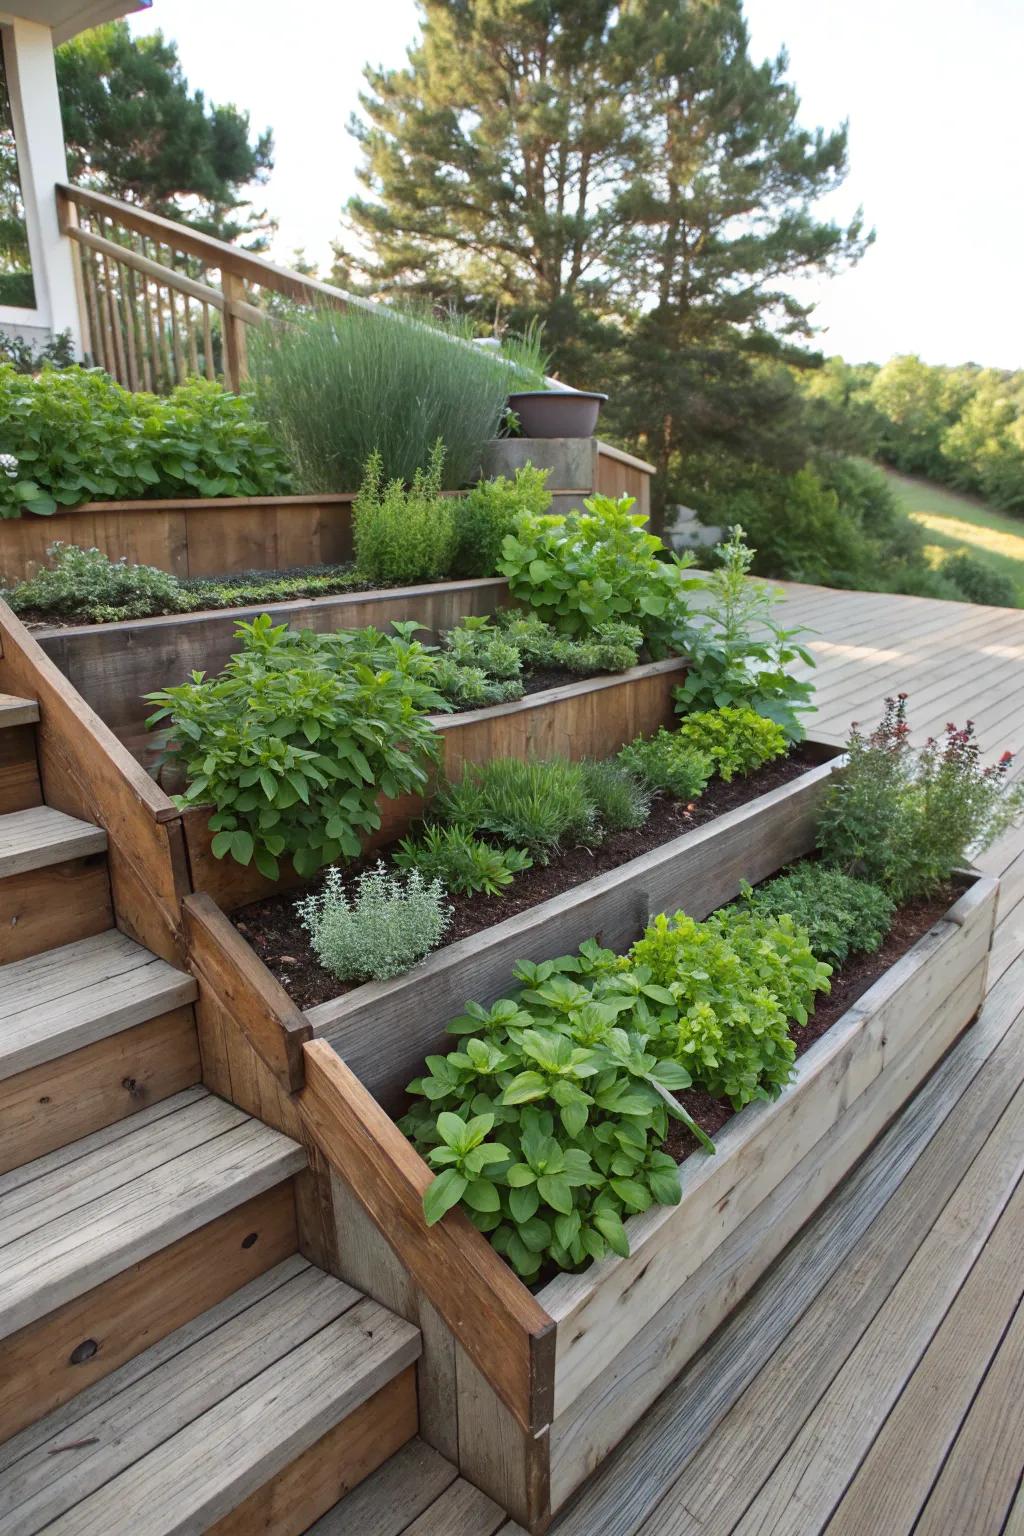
(627, 174)
(133, 129)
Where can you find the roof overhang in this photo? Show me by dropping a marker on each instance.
(67, 17)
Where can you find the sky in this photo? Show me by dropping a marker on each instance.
(930, 89)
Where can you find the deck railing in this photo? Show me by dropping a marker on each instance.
(160, 302)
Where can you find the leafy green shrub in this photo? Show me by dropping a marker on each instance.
(978, 582)
(540, 805)
(387, 926)
(667, 762)
(86, 585)
(611, 647)
(546, 1123)
(462, 862)
(403, 537)
(733, 983)
(487, 514)
(906, 819)
(587, 568)
(735, 741)
(621, 801)
(476, 642)
(337, 386)
(738, 655)
(74, 435)
(840, 914)
(293, 742)
(469, 687)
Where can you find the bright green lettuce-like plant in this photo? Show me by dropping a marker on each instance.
(463, 863)
(546, 1123)
(403, 536)
(739, 656)
(907, 819)
(667, 762)
(735, 741)
(487, 514)
(298, 736)
(387, 925)
(584, 569)
(73, 435)
(734, 984)
(840, 914)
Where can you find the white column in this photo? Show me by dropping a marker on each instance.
(39, 136)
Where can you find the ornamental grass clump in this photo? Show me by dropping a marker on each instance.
(402, 536)
(384, 928)
(906, 819)
(541, 806)
(298, 737)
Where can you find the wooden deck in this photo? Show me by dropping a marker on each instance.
(873, 1384)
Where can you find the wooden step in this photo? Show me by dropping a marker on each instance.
(73, 996)
(206, 1430)
(72, 1220)
(41, 836)
(15, 711)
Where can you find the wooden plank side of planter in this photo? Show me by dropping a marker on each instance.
(86, 772)
(591, 718)
(502, 1328)
(600, 1311)
(384, 1029)
(113, 666)
(587, 1431)
(200, 536)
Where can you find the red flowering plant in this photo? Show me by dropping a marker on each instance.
(906, 818)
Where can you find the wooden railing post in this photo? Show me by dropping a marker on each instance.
(236, 351)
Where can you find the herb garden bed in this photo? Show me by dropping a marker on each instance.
(624, 1328)
(113, 666)
(591, 718)
(273, 930)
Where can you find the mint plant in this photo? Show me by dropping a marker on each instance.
(739, 656)
(297, 738)
(584, 569)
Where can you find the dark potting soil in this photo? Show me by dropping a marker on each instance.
(273, 929)
(849, 982)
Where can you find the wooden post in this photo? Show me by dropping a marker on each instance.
(236, 352)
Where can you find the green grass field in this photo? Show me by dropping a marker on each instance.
(956, 522)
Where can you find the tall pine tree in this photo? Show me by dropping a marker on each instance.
(625, 173)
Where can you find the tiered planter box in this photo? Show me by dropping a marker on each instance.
(113, 666)
(591, 718)
(189, 537)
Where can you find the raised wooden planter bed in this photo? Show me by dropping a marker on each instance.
(191, 537)
(113, 666)
(385, 1029)
(626, 1327)
(590, 718)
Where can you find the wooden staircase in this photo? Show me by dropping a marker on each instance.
(171, 1363)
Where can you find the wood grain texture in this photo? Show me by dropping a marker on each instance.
(113, 666)
(496, 1320)
(19, 771)
(36, 838)
(86, 772)
(59, 1101)
(49, 907)
(199, 536)
(383, 1030)
(462, 1510)
(498, 1454)
(77, 994)
(590, 718)
(225, 967)
(413, 1479)
(599, 1312)
(140, 1306)
(336, 1464)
